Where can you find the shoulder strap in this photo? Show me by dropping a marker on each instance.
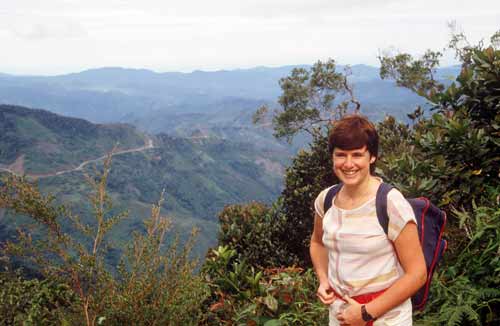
(381, 205)
(329, 197)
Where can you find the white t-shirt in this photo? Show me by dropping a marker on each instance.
(361, 257)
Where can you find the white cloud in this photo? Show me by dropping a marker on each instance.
(67, 35)
(35, 31)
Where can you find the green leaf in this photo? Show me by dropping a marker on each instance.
(271, 303)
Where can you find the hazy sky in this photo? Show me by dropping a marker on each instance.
(60, 36)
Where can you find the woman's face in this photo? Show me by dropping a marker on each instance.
(352, 167)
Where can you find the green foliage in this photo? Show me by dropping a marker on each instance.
(417, 75)
(455, 151)
(309, 173)
(275, 296)
(155, 283)
(279, 236)
(33, 302)
(397, 160)
(308, 99)
(254, 231)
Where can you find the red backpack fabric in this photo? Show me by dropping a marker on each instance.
(431, 222)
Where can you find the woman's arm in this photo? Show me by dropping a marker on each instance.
(319, 257)
(412, 260)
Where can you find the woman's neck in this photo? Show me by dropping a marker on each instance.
(363, 190)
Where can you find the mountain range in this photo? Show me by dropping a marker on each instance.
(188, 134)
(138, 95)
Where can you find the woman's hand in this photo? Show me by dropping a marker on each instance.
(351, 315)
(326, 294)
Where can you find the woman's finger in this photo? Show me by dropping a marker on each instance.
(349, 300)
(325, 296)
(321, 298)
(326, 301)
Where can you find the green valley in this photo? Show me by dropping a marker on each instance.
(199, 176)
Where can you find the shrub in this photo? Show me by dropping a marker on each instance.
(155, 284)
(241, 295)
(309, 173)
(254, 231)
(33, 302)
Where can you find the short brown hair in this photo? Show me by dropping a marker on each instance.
(352, 132)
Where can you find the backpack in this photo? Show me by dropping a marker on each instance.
(431, 222)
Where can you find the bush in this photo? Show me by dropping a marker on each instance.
(309, 173)
(254, 231)
(273, 296)
(154, 284)
(33, 302)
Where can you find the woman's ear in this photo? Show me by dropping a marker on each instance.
(373, 159)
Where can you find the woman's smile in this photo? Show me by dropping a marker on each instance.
(352, 166)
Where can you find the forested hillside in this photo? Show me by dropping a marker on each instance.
(198, 176)
(38, 141)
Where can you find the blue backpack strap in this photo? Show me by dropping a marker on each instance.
(381, 205)
(329, 197)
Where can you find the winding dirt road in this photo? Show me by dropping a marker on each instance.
(18, 170)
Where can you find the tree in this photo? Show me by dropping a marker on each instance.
(453, 156)
(311, 99)
(458, 145)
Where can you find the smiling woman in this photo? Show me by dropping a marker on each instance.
(366, 276)
(355, 132)
(352, 166)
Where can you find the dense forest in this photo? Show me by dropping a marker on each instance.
(260, 272)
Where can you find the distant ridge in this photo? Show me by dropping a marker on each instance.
(50, 142)
(153, 100)
(144, 71)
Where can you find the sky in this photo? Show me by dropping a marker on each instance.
(62, 36)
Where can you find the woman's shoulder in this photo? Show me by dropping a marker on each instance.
(394, 195)
(399, 211)
(325, 190)
(320, 200)
(322, 195)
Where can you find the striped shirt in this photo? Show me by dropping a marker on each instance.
(361, 257)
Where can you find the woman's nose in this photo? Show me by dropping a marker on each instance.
(348, 161)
